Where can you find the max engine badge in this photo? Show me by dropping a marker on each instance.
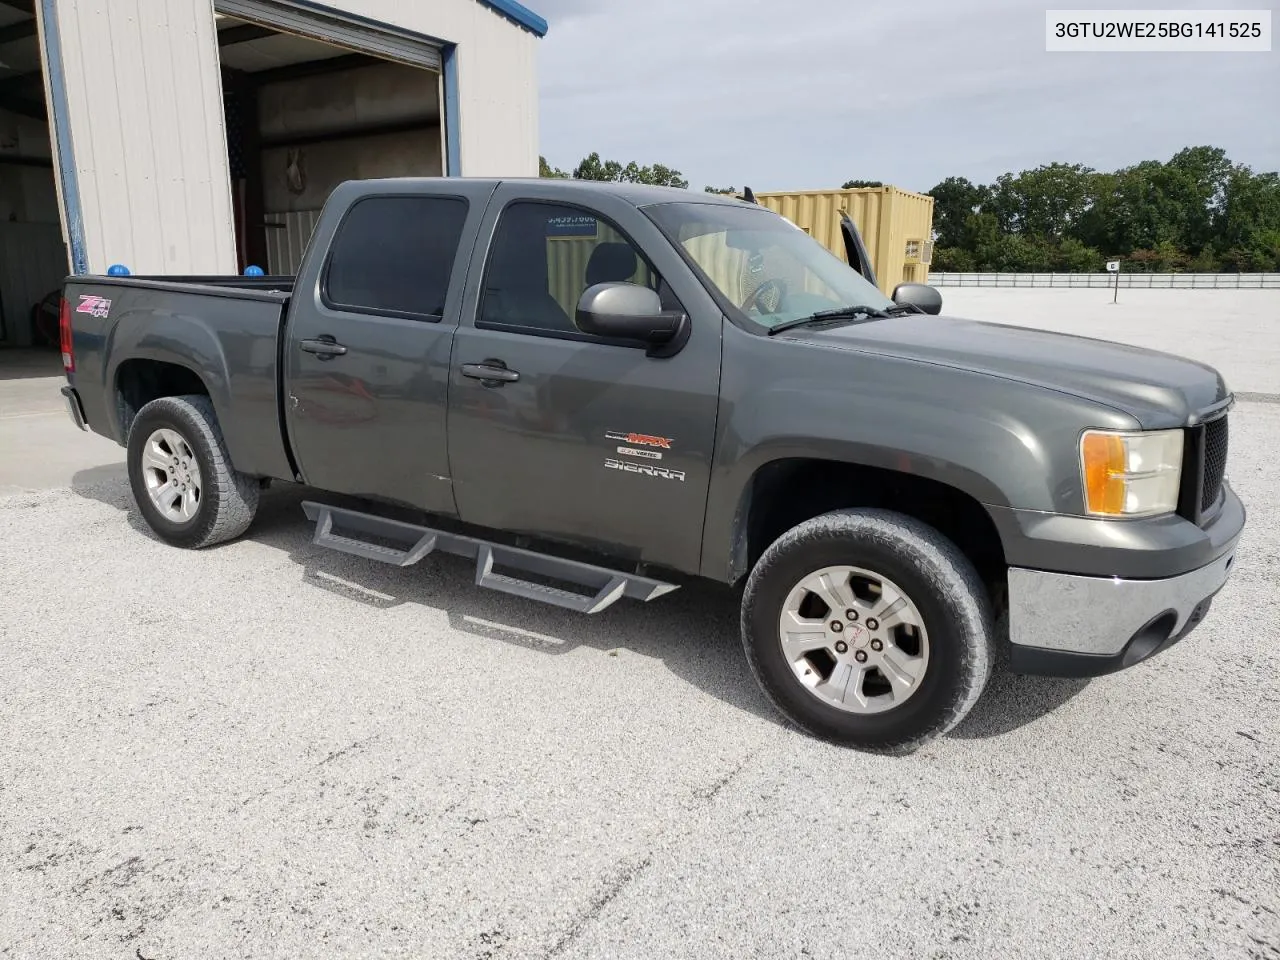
(642, 448)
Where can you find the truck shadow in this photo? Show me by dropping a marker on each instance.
(693, 631)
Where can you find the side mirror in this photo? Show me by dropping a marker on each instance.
(627, 311)
(919, 295)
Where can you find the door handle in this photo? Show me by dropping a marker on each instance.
(492, 372)
(326, 347)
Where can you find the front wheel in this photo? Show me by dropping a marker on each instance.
(182, 477)
(868, 628)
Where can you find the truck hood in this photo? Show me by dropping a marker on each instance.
(1158, 389)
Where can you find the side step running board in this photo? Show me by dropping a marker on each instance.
(608, 586)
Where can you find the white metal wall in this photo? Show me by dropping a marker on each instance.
(497, 78)
(144, 98)
(144, 105)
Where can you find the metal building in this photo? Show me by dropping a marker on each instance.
(201, 136)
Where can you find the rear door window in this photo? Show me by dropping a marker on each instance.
(393, 256)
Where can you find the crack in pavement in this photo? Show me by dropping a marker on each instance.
(614, 887)
(597, 904)
(350, 748)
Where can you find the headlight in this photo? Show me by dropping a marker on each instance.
(1131, 474)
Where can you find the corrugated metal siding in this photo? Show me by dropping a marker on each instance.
(145, 110)
(33, 262)
(145, 104)
(287, 242)
(886, 217)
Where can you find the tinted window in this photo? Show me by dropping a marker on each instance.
(395, 254)
(544, 256)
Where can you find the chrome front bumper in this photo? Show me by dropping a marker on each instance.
(1062, 624)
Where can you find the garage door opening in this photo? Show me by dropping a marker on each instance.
(302, 116)
(33, 257)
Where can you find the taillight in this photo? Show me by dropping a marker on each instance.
(64, 334)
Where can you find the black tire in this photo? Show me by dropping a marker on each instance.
(940, 581)
(228, 499)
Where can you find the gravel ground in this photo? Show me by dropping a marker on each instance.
(270, 750)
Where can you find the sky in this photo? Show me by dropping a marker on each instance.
(806, 94)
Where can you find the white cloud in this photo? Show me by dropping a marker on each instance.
(814, 92)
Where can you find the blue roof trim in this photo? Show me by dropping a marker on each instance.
(520, 14)
(452, 113)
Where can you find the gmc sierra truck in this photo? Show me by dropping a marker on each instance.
(595, 390)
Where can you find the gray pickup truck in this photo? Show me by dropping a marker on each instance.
(595, 390)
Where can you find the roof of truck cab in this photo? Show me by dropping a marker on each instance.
(639, 194)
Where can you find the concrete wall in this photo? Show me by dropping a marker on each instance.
(300, 177)
(140, 82)
(364, 96)
(325, 165)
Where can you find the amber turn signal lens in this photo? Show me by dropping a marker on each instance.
(1104, 473)
(1131, 474)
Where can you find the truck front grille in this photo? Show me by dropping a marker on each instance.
(1204, 465)
(1215, 462)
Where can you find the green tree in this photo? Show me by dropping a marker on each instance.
(860, 184)
(546, 170)
(953, 260)
(1248, 226)
(1165, 257)
(1135, 209)
(593, 168)
(955, 199)
(1196, 211)
(1047, 202)
(1072, 256)
(1198, 177)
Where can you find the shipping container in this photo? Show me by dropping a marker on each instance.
(896, 226)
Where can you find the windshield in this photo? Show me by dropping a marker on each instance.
(763, 264)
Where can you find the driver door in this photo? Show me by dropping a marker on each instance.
(558, 434)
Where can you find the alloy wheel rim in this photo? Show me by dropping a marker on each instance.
(854, 639)
(172, 475)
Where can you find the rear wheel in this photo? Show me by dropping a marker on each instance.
(182, 478)
(868, 628)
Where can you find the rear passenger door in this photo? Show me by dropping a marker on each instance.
(368, 341)
(559, 434)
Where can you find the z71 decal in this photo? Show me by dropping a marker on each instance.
(646, 469)
(94, 305)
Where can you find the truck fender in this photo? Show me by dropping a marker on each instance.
(179, 339)
(995, 459)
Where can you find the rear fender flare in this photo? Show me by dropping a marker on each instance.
(177, 339)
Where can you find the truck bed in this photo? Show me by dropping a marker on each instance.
(225, 328)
